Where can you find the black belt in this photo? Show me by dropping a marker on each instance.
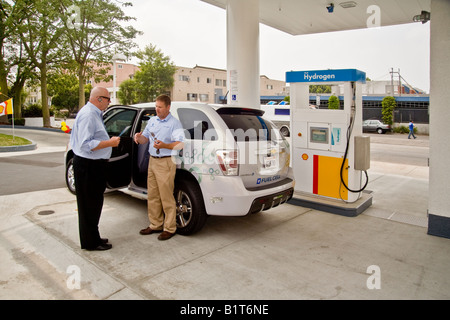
(160, 157)
(91, 160)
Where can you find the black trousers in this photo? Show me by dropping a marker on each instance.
(90, 185)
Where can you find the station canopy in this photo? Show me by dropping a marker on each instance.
(298, 17)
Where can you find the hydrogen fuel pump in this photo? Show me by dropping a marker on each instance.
(330, 156)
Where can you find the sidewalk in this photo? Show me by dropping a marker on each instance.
(286, 253)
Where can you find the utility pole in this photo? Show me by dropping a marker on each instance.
(392, 81)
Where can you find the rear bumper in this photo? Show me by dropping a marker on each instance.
(227, 196)
(270, 201)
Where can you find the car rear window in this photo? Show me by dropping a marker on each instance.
(248, 124)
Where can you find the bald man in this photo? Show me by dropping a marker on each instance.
(92, 148)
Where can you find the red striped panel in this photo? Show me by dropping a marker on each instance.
(316, 174)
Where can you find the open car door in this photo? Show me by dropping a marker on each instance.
(119, 122)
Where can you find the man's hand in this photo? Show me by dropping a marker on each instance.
(114, 141)
(139, 138)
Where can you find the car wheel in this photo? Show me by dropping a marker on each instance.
(285, 131)
(380, 131)
(70, 177)
(191, 212)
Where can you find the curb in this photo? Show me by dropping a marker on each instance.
(26, 147)
(32, 128)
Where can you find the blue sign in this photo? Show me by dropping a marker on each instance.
(233, 97)
(339, 75)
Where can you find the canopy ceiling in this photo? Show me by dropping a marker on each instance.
(298, 17)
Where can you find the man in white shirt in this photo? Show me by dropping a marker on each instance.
(92, 147)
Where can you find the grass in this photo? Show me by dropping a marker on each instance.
(8, 140)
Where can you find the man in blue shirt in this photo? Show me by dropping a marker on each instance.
(92, 148)
(411, 130)
(166, 135)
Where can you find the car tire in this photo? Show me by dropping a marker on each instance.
(380, 131)
(70, 177)
(191, 212)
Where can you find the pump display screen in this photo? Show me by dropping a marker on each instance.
(319, 135)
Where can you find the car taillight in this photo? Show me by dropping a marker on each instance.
(228, 162)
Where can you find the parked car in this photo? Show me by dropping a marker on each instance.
(234, 161)
(375, 126)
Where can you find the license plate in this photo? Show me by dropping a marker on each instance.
(270, 162)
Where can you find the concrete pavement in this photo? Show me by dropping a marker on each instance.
(286, 253)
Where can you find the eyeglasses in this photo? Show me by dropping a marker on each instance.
(109, 99)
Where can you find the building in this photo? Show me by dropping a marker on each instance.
(203, 84)
(199, 84)
(209, 85)
(124, 71)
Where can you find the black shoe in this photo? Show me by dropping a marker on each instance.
(104, 240)
(101, 247)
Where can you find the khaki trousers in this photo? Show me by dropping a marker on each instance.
(161, 204)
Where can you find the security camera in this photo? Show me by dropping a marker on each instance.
(330, 8)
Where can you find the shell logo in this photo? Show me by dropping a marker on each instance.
(305, 156)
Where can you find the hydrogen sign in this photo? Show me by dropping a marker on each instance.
(339, 75)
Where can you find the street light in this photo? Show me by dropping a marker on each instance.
(121, 57)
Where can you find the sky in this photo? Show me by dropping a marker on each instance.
(192, 32)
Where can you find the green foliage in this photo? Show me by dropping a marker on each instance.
(403, 129)
(127, 92)
(17, 121)
(155, 77)
(320, 88)
(387, 109)
(288, 99)
(8, 140)
(33, 111)
(63, 88)
(333, 102)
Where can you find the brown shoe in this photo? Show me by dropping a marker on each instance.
(149, 230)
(165, 235)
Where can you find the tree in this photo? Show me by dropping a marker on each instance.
(23, 71)
(387, 109)
(333, 102)
(5, 33)
(15, 66)
(95, 34)
(63, 87)
(319, 88)
(155, 76)
(127, 92)
(40, 31)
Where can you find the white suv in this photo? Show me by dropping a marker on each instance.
(234, 161)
